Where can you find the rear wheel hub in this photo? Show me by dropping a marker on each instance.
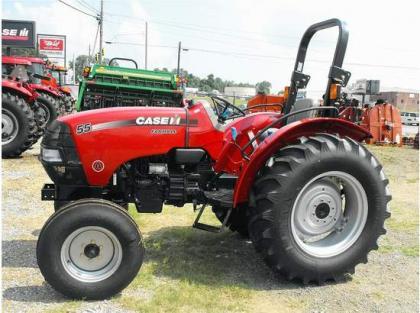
(9, 126)
(329, 214)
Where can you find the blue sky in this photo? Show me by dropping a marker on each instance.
(245, 40)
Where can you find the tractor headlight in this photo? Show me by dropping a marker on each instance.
(51, 155)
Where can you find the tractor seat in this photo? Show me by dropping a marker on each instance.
(300, 105)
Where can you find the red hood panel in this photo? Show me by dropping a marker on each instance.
(116, 135)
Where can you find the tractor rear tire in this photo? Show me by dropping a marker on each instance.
(320, 207)
(18, 125)
(238, 219)
(50, 106)
(90, 249)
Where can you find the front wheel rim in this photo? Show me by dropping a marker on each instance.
(9, 127)
(91, 254)
(45, 114)
(329, 214)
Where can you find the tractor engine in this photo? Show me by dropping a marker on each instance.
(174, 179)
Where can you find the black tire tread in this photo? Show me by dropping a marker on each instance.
(55, 102)
(269, 181)
(23, 106)
(60, 280)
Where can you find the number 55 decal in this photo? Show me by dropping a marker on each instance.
(83, 128)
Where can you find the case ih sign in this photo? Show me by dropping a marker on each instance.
(18, 33)
(53, 46)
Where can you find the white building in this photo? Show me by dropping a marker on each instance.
(240, 91)
(190, 90)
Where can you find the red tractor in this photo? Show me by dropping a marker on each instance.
(23, 117)
(310, 196)
(36, 79)
(58, 81)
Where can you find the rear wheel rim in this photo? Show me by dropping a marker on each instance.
(91, 254)
(9, 127)
(329, 214)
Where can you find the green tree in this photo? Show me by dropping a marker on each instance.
(80, 62)
(263, 87)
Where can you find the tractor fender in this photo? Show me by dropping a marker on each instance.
(17, 88)
(286, 135)
(47, 89)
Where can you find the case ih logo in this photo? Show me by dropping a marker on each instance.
(18, 33)
(158, 120)
(14, 34)
(51, 44)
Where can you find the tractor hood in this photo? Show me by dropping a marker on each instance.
(122, 117)
(106, 138)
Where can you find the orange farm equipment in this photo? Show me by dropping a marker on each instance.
(265, 103)
(384, 123)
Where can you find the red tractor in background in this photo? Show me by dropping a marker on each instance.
(37, 80)
(19, 128)
(24, 115)
(58, 81)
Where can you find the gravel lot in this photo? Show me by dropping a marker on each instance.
(188, 270)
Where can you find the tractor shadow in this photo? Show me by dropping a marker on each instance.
(43, 294)
(21, 255)
(217, 260)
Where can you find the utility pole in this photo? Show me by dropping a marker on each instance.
(179, 58)
(101, 24)
(145, 48)
(74, 71)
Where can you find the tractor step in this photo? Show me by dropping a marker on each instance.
(210, 228)
(222, 197)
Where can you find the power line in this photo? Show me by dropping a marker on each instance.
(291, 58)
(139, 44)
(228, 32)
(74, 8)
(94, 43)
(261, 56)
(88, 6)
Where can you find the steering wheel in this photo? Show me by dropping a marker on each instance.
(228, 110)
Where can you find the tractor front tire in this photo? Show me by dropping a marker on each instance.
(49, 106)
(90, 249)
(320, 207)
(68, 104)
(18, 125)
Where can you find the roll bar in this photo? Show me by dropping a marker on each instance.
(336, 74)
(123, 59)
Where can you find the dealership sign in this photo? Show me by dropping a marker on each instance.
(52, 46)
(18, 33)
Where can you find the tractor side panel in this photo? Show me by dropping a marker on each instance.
(202, 133)
(107, 138)
(288, 135)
